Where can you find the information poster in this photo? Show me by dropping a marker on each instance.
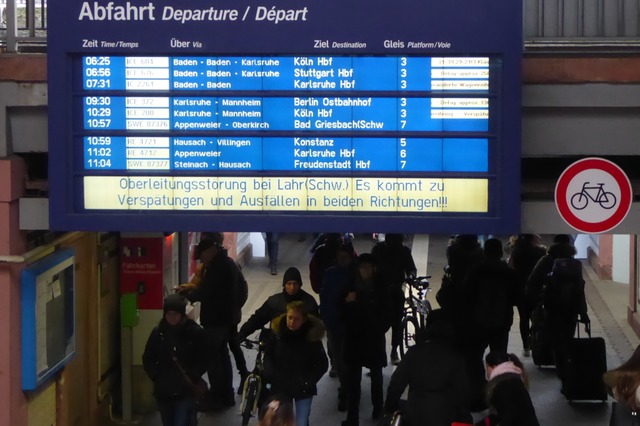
(298, 115)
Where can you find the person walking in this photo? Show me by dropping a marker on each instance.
(218, 315)
(394, 264)
(174, 359)
(436, 376)
(273, 247)
(295, 359)
(324, 257)
(241, 289)
(366, 324)
(337, 282)
(490, 292)
(561, 247)
(526, 251)
(506, 392)
(564, 304)
(276, 304)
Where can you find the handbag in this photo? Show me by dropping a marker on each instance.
(200, 387)
(621, 415)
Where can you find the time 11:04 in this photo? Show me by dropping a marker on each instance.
(99, 163)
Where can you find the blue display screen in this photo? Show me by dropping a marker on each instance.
(409, 125)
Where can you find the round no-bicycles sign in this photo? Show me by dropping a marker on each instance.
(593, 195)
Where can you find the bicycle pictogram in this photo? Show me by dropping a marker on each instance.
(580, 200)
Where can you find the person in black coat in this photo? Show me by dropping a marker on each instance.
(218, 314)
(506, 392)
(241, 290)
(276, 305)
(324, 257)
(436, 376)
(561, 248)
(366, 321)
(395, 264)
(174, 359)
(490, 293)
(295, 359)
(463, 254)
(527, 250)
(337, 283)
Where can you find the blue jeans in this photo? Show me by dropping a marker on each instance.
(179, 412)
(303, 410)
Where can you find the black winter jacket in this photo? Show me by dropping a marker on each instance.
(535, 282)
(438, 385)
(509, 401)
(394, 263)
(274, 306)
(523, 259)
(184, 341)
(217, 292)
(491, 291)
(366, 321)
(295, 360)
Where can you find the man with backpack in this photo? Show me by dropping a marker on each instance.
(564, 302)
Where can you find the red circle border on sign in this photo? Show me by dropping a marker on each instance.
(626, 195)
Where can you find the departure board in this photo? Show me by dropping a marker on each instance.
(281, 119)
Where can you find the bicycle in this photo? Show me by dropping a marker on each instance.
(580, 200)
(253, 386)
(416, 310)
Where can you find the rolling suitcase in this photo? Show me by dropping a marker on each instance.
(541, 347)
(586, 365)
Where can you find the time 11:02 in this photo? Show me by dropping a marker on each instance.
(99, 152)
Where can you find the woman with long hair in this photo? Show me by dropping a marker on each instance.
(623, 383)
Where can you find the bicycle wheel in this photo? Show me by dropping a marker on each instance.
(607, 200)
(410, 328)
(579, 201)
(249, 398)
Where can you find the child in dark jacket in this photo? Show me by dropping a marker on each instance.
(506, 392)
(174, 360)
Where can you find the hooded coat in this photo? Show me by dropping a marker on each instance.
(295, 360)
(184, 341)
(277, 305)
